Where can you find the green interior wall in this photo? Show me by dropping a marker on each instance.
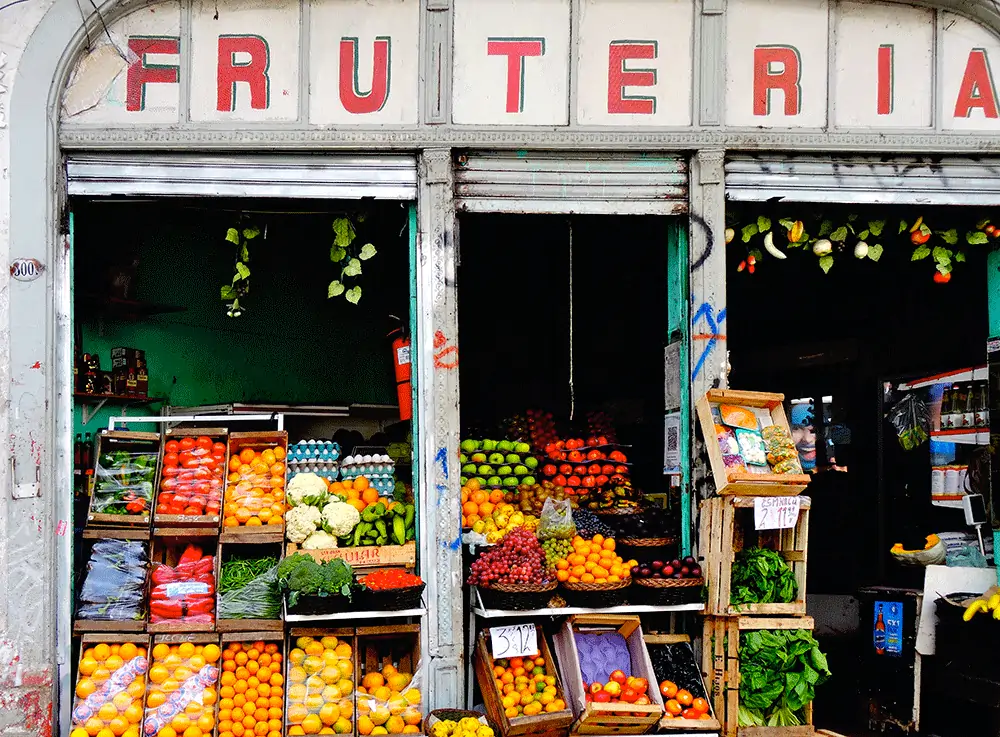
(993, 287)
(293, 345)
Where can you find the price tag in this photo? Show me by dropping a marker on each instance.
(517, 641)
(775, 512)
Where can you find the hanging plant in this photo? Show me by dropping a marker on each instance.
(239, 288)
(346, 252)
(828, 239)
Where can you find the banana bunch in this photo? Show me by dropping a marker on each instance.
(988, 603)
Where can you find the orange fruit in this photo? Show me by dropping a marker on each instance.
(370, 495)
(247, 455)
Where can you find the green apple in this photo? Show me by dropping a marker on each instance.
(464, 480)
(522, 448)
(493, 481)
(481, 480)
(528, 481)
(470, 445)
(496, 458)
(478, 458)
(531, 462)
(520, 470)
(513, 458)
(510, 481)
(489, 445)
(485, 470)
(469, 468)
(505, 445)
(504, 471)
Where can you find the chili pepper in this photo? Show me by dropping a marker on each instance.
(383, 580)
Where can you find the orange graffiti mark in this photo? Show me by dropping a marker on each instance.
(442, 351)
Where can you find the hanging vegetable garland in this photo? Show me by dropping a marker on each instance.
(345, 251)
(240, 286)
(828, 238)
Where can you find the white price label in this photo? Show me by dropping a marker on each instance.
(775, 512)
(518, 641)
(185, 587)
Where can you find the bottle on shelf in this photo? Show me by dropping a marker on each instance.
(78, 465)
(879, 633)
(969, 411)
(945, 418)
(957, 408)
(88, 463)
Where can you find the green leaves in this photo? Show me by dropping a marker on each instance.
(920, 252)
(976, 238)
(353, 268)
(227, 292)
(242, 270)
(949, 236)
(343, 232)
(839, 235)
(367, 251)
(337, 253)
(749, 231)
(761, 576)
(902, 226)
(825, 228)
(251, 232)
(875, 252)
(763, 224)
(353, 295)
(344, 248)
(239, 286)
(233, 236)
(779, 670)
(876, 227)
(335, 289)
(826, 263)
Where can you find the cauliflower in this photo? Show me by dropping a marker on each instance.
(319, 540)
(301, 522)
(306, 488)
(340, 518)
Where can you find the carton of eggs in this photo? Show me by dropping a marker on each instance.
(314, 456)
(370, 465)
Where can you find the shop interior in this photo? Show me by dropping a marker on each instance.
(853, 337)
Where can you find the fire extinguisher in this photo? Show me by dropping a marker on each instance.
(402, 364)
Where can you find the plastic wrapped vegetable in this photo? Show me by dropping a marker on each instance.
(912, 419)
(248, 589)
(124, 482)
(185, 592)
(557, 520)
(781, 451)
(114, 585)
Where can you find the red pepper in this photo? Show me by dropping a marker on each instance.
(192, 554)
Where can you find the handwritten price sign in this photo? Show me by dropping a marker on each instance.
(776, 512)
(517, 641)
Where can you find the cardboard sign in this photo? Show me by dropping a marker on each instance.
(775, 512)
(517, 641)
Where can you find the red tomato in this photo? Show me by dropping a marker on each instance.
(168, 484)
(589, 481)
(565, 469)
(212, 508)
(187, 443)
(621, 469)
(171, 471)
(172, 446)
(192, 511)
(204, 442)
(573, 481)
(576, 456)
(176, 508)
(594, 455)
(549, 470)
(594, 469)
(607, 469)
(559, 480)
(191, 463)
(171, 459)
(219, 449)
(163, 509)
(166, 497)
(601, 480)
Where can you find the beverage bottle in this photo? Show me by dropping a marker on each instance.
(78, 465)
(879, 635)
(88, 463)
(969, 412)
(981, 406)
(957, 407)
(945, 418)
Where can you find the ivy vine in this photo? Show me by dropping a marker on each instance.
(231, 293)
(346, 251)
(830, 238)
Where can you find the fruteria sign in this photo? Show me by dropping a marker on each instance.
(618, 63)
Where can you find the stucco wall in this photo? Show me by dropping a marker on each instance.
(27, 632)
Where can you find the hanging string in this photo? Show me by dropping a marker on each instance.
(572, 394)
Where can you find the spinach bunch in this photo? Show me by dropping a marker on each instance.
(300, 575)
(761, 576)
(779, 672)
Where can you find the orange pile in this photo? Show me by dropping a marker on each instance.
(250, 698)
(478, 503)
(320, 687)
(388, 703)
(680, 704)
(255, 494)
(593, 561)
(358, 492)
(109, 714)
(525, 688)
(172, 667)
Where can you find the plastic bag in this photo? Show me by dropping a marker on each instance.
(912, 420)
(781, 451)
(251, 689)
(194, 469)
(556, 520)
(740, 417)
(124, 482)
(390, 697)
(752, 448)
(255, 494)
(109, 689)
(114, 587)
(185, 592)
(182, 688)
(321, 685)
(259, 599)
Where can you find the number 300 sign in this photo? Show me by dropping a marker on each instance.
(26, 269)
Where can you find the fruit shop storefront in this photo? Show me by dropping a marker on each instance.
(579, 140)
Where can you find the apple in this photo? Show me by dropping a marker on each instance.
(528, 481)
(629, 695)
(641, 685)
(531, 462)
(496, 459)
(618, 676)
(602, 697)
(596, 687)
(613, 688)
(520, 470)
(478, 458)
(522, 448)
(643, 701)
(470, 446)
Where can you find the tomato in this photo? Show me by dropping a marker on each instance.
(187, 443)
(621, 469)
(172, 446)
(176, 508)
(192, 511)
(559, 480)
(684, 698)
(204, 443)
(219, 449)
(166, 497)
(162, 509)
(690, 714)
(700, 706)
(594, 469)
(579, 470)
(589, 481)
(565, 469)
(607, 469)
(602, 480)
(170, 459)
(212, 508)
(170, 471)
(573, 481)
(601, 440)
(168, 484)
(940, 278)
(594, 455)
(673, 707)
(549, 470)
(191, 463)
(576, 456)
(668, 689)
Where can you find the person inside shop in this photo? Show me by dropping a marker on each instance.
(804, 435)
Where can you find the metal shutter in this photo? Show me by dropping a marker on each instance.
(864, 179)
(192, 175)
(571, 183)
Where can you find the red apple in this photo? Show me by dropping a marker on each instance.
(602, 697)
(643, 701)
(596, 687)
(618, 677)
(629, 695)
(613, 688)
(641, 685)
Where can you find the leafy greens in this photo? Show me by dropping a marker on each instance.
(779, 672)
(300, 575)
(761, 576)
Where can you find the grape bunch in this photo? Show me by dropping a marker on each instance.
(589, 524)
(556, 549)
(517, 558)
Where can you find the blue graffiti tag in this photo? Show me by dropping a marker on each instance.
(711, 337)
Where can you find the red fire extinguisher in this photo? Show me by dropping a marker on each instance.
(401, 363)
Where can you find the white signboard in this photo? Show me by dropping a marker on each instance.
(511, 62)
(969, 91)
(776, 512)
(517, 641)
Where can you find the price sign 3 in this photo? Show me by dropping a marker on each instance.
(516, 641)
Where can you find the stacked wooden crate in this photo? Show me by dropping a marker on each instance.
(727, 527)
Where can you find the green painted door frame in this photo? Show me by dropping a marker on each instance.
(678, 330)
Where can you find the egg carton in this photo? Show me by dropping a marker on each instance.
(329, 474)
(314, 451)
(367, 461)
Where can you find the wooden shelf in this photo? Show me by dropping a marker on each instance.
(99, 400)
(965, 436)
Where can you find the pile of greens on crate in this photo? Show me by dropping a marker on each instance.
(779, 672)
(248, 589)
(124, 483)
(761, 576)
(300, 575)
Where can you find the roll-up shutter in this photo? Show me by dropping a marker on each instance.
(864, 180)
(190, 175)
(564, 183)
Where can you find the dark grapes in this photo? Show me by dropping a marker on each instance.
(589, 524)
(517, 558)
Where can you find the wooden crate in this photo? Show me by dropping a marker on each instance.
(727, 527)
(196, 638)
(396, 645)
(130, 442)
(721, 664)
(607, 719)
(746, 483)
(217, 434)
(371, 556)
(258, 441)
(110, 638)
(244, 550)
(167, 547)
(343, 634)
(554, 724)
(681, 725)
(139, 534)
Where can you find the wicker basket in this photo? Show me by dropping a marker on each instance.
(442, 715)
(647, 548)
(517, 595)
(667, 591)
(317, 605)
(597, 595)
(391, 599)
